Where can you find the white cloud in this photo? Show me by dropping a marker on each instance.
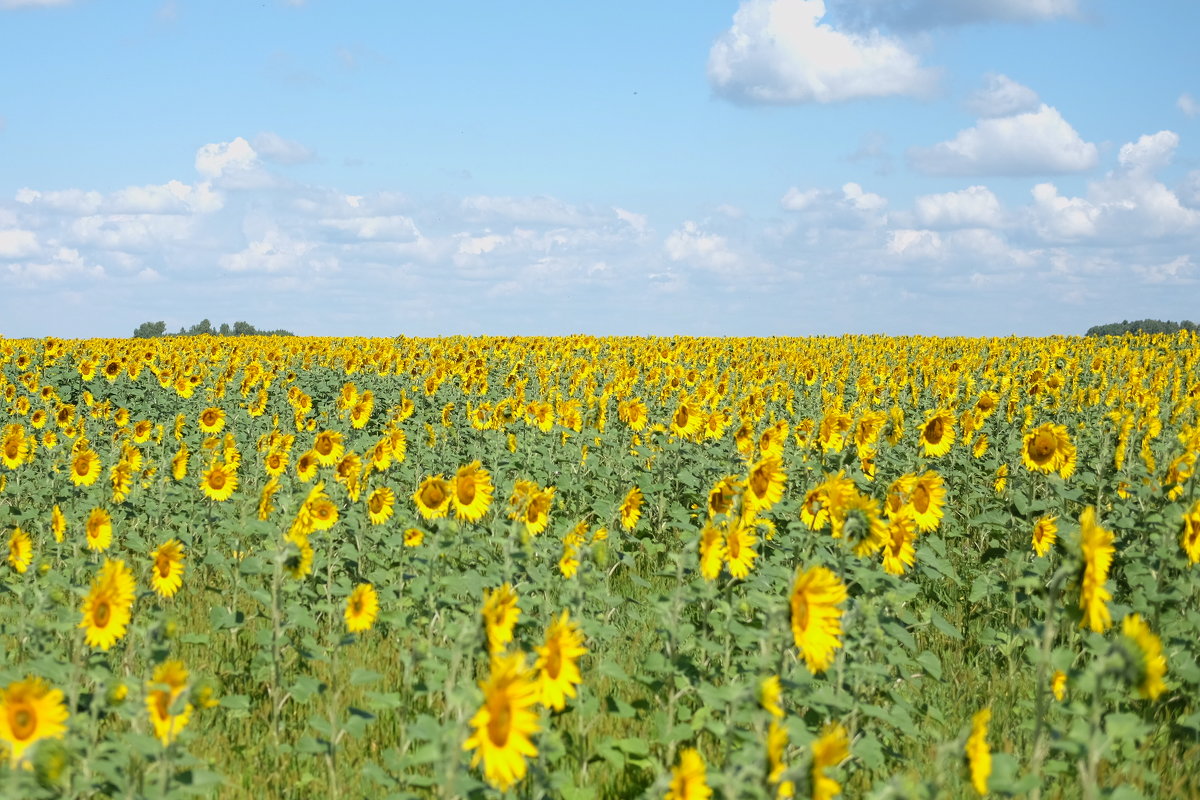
(1178, 270)
(1032, 143)
(274, 147)
(396, 228)
(796, 200)
(540, 209)
(173, 197)
(17, 243)
(863, 201)
(779, 51)
(62, 264)
(1188, 105)
(1001, 96)
(276, 251)
(972, 207)
(639, 222)
(214, 160)
(1062, 218)
(68, 201)
(910, 243)
(690, 245)
(1149, 153)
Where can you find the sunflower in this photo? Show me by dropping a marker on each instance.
(537, 512)
(15, 447)
(898, 551)
(764, 484)
(687, 420)
(29, 712)
(163, 695)
(179, 464)
(557, 662)
(857, 520)
(276, 463)
(167, 575)
(712, 551)
(20, 550)
(212, 420)
(689, 779)
(814, 511)
(1097, 546)
(777, 742)
(568, 562)
(329, 447)
(413, 537)
(831, 748)
(500, 615)
(321, 511)
(362, 606)
(979, 758)
(740, 538)
(1189, 539)
(1001, 479)
(58, 524)
(433, 497)
(219, 482)
(1150, 665)
(503, 724)
(1045, 534)
(107, 604)
(1046, 448)
(306, 466)
(99, 530)
(937, 434)
(299, 559)
(471, 492)
(631, 508)
(122, 481)
(265, 504)
(723, 495)
(928, 498)
(769, 693)
(85, 467)
(1058, 685)
(816, 619)
(380, 505)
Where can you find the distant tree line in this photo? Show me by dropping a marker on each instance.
(153, 330)
(1141, 326)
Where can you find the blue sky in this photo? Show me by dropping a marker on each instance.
(766, 167)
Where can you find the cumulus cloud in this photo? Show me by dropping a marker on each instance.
(1179, 270)
(17, 243)
(1030, 143)
(691, 245)
(779, 51)
(973, 207)
(1188, 105)
(1149, 153)
(1001, 96)
(276, 251)
(274, 147)
(233, 165)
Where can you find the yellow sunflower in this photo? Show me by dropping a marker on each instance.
(937, 434)
(723, 495)
(85, 467)
(769, 693)
(306, 466)
(500, 615)
(1189, 539)
(631, 508)
(414, 537)
(58, 524)
(712, 551)
(777, 742)
(471, 492)
(29, 712)
(168, 712)
(167, 574)
(689, 778)
(898, 551)
(1150, 665)
(20, 550)
(179, 464)
(329, 447)
(816, 618)
(1045, 534)
(99, 530)
(537, 512)
(276, 463)
(219, 482)
(380, 505)
(1098, 549)
(503, 724)
(558, 662)
(212, 420)
(764, 484)
(740, 539)
(362, 606)
(979, 757)
(687, 420)
(928, 499)
(1046, 448)
(106, 608)
(433, 497)
(831, 748)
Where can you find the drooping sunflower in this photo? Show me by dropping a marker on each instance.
(433, 497)
(167, 574)
(979, 757)
(937, 434)
(764, 484)
(1046, 448)
(1189, 539)
(1098, 549)
(121, 477)
(219, 482)
(831, 748)
(98, 530)
(212, 420)
(164, 694)
(106, 608)
(471, 492)
(689, 778)
(723, 495)
(1058, 685)
(362, 606)
(329, 447)
(631, 508)
(816, 619)
(500, 614)
(85, 467)
(20, 550)
(503, 725)
(30, 711)
(1045, 534)
(1149, 662)
(558, 662)
(712, 551)
(1001, 479)
(380, 505)
(928, 499)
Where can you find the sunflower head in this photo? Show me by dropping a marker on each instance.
(503, 725)
(30, 711)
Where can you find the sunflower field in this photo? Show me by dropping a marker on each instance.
(600, 567)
